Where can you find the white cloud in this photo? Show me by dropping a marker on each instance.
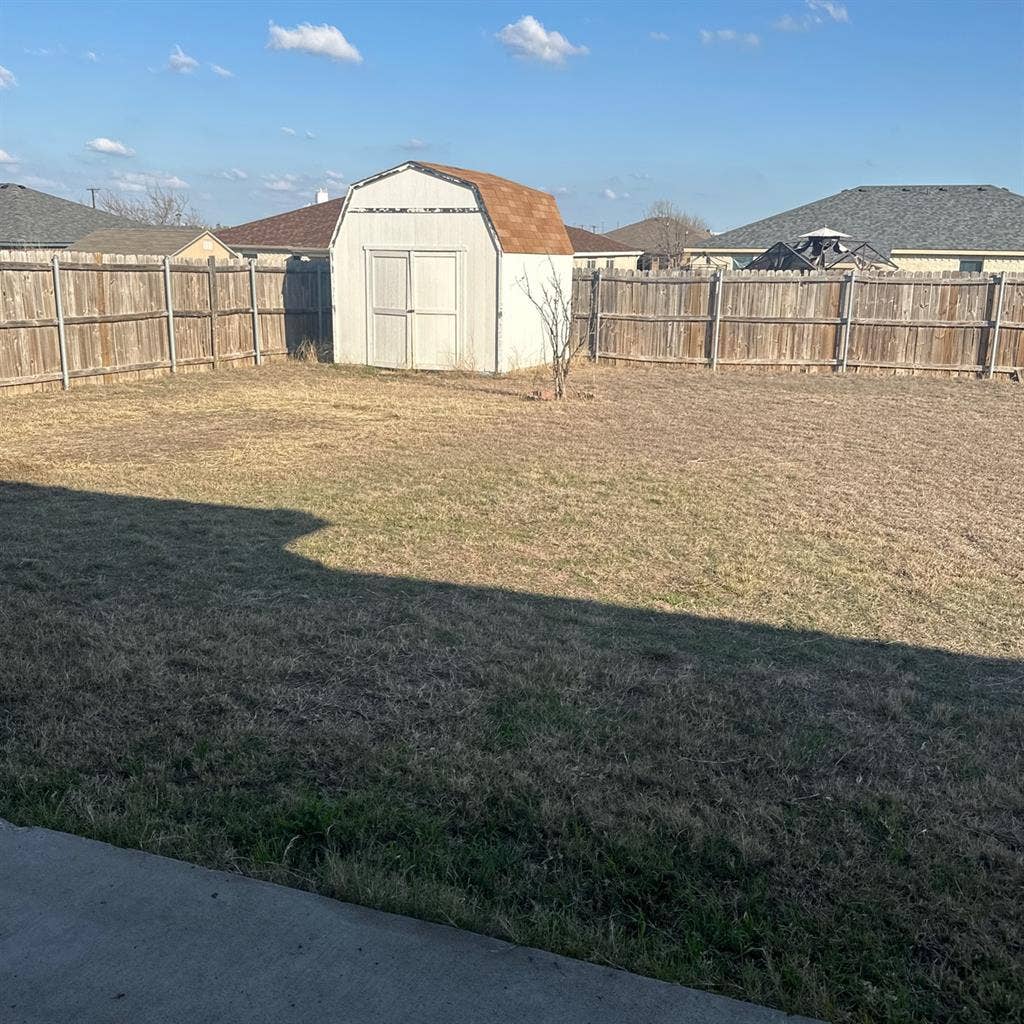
(310, 135)
(529, 39)
(562, 190)
(334, 177)
(7, 80)
(320, 40)
(837, 12)
(281, 182)
(817, 13)
(135, 181)
(221, 72)
(6, 158)
(285, 130)
(415, 145)
(180, 62)
(234, 174)
(659, 37)
(611, 194)
(112, 147)
(91, 56)
(729, 35)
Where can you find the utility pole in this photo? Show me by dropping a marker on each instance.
(93, 191)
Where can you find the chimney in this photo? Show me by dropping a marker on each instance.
(321, 195)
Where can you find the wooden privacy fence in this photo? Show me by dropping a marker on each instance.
(944, 324)
(79, 317)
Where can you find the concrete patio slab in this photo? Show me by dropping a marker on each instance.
(98, 935)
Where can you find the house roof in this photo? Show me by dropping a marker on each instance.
(30, 218)
(525, 219)
(149, 240)
(649, 234)
(955, 217)
(584, 241)
(310, 227)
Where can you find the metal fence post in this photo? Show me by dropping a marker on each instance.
(62, 344)
(994, 346)
(256, 351)
(716, 316)
(172, 349)
(851, 281)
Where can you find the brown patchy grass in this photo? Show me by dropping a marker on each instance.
(713, 678)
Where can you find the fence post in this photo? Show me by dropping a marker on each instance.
(172, 349)
(257, 353)
(62, 344)
(844, 354)
(716, 316)
(211, 274)
(993, 348)
(595, 313)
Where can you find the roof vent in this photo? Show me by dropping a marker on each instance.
(321, 195)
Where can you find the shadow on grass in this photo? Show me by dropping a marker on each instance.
(827, 825)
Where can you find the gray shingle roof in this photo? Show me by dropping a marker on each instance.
(958, 217)
(29, 218)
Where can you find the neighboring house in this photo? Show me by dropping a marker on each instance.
(304, 232)
(37, 220)
(431, 266)
(183, 243)
(661, 240)
(593, 250)
(917, 227)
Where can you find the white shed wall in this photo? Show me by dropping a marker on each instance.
(524, 340)
(466, 233)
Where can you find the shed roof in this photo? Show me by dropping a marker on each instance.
(525, 219)
(584, 241)
(310, 227)
(30, 218)
(149, 240)
(955, 217)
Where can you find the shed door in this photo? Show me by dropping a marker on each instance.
(435, 330)
(390, 310)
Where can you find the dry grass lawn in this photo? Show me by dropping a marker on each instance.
(716, 679)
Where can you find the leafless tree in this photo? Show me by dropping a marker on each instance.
(554, 305)
(673, 230)
(159, 206)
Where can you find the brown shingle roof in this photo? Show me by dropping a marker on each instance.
(584, 241)
(649, 234)
(308, 228)
(525, 219)
(148, 241)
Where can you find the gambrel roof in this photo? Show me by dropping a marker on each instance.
(525, 219)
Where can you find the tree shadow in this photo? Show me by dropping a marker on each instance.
(774, 813)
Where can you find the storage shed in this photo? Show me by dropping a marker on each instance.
(430, 266)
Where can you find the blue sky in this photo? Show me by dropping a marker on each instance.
(734, 111)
